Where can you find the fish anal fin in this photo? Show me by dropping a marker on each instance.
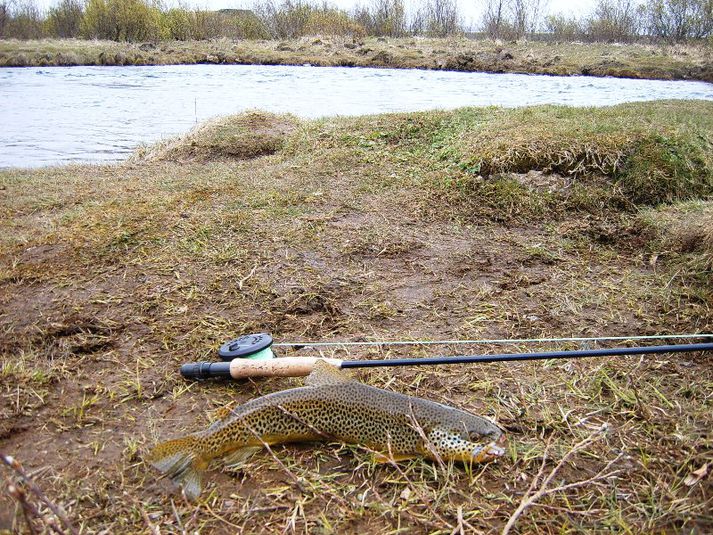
(383, 458)
(324, 373)
(191, 484)
(238, 457)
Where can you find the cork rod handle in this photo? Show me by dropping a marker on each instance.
(280, 367)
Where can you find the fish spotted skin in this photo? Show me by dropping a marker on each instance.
(332, 406)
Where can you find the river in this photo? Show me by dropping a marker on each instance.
(99, 114)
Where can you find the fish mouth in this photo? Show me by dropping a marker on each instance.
(494, 451)
(488, 453)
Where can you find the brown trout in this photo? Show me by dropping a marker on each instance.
(332, 406)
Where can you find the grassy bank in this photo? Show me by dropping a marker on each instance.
(471, 223)
(629, 61)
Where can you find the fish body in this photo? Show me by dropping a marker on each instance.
(332, 406)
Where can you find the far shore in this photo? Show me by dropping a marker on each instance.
(644, 61)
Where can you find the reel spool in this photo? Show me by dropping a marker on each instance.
(249, 346)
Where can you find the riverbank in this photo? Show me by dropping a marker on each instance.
(679, 62)
(473, 223)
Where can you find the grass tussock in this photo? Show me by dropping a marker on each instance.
(244, 136)
(609, 155)
(649, 161)
(367, 228)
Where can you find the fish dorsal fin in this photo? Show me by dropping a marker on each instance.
(223, 414)
(324, 373)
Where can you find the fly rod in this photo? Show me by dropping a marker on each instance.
(240, 368)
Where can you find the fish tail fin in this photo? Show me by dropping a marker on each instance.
(180, 459)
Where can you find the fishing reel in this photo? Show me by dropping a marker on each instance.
(249, 346)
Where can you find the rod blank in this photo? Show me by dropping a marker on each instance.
(546, 355)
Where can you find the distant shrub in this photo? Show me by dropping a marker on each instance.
(24, 21)
(206, 24)
(65, 19)
(284, 21)
(564, 28)
(121, 20)
(97, 22)
(333, 22)
(679, 20)
(382, 18)
(179, 25)
(441, 18)
(4, 16)
(136, 20)
(149, 20)
(615, 21)
(511, 19)
(241, 24)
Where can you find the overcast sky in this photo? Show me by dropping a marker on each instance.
(470, 9)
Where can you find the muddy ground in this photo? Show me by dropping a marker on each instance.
(358, 229)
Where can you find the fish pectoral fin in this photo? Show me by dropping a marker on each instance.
(324, 373)
(236, 458)
(180, 460)
(383, 458)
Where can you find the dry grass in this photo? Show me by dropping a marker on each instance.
(111, 277)
(682, 237)
(245, 136)
(594, 59)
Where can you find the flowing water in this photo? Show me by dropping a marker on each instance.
(98, 114)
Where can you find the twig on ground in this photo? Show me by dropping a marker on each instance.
(275, 457)
(178, 517)
(426, 442)
(15, 466)
(29, 511)
(413, 487)
(530, 498)
(246, 277)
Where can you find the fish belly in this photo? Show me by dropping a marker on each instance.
(318, 420)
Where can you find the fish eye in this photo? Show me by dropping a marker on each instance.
(474, 436)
